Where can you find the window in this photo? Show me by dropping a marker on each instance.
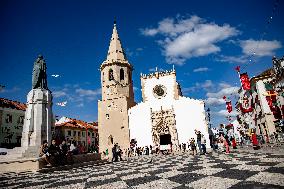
(121, 74)
(107, 116)
(110, 140)
(110, 75)
(83, 134)
(79, 133)
(9, 118)
(103, 77)
(89, 133)
(74, 133)
(21, 120)
(93, 134)
(69, 133)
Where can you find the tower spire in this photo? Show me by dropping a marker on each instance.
(115, 51)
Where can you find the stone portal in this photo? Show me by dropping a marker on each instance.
(164, 130)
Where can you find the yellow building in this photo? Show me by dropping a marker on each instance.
(78, 131)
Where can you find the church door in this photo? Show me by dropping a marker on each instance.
(165, 139)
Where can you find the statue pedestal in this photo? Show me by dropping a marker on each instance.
(38, 121)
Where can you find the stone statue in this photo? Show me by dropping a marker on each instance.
(39, 80)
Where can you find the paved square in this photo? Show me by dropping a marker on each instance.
(240, 169)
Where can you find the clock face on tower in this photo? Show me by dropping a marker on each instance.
(159, 91)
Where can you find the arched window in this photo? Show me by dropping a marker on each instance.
(110, 75)
(110, 140)
(121, 74)
(103, 77)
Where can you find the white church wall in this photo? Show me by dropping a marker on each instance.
(190, 115)
(140, 125)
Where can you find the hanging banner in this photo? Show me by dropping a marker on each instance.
(229, 106)
(245, 81)
(246, 105)
(238, 68)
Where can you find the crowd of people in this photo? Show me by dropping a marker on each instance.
(60, 154)
(222, 142)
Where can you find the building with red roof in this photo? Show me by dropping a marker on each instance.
(12, 116)
(78, 131)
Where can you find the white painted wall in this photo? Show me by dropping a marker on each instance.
(261, 91)
(190, 115)
(140, 125)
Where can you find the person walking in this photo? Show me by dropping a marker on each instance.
(193, 146)
(198, 140)
(254, 141)
(234, 144)
(119, 152)
(113, 150)
(203, 144)
(226, 143)
(183, 147)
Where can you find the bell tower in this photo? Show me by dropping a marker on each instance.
(117, 97)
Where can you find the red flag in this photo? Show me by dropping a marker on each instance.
(229, 106)
(246, 105)
(224, 97)
(245, 81)
(237, 68)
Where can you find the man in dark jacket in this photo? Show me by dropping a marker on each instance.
(54, 151)
(114, 154)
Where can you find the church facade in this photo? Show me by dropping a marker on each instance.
(165, 116)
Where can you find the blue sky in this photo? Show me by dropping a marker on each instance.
(204, 39)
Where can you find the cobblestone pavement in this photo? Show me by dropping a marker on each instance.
(241, 169)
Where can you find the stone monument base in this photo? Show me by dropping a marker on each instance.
(21, 165)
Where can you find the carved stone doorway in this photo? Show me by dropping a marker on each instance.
(164, 128)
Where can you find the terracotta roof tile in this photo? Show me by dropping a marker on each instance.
(6, 103)
(75, 123)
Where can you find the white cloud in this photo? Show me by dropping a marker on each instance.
(202, 69)
(223, 92)
(233, 59)
(206, 85)
(149, 31)
(80, 105)
(224, 85)
(214, 101)
(88, 92)
(187, 38)
(226, 113)
(14, 89)
(57, 94)
(259, 48)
